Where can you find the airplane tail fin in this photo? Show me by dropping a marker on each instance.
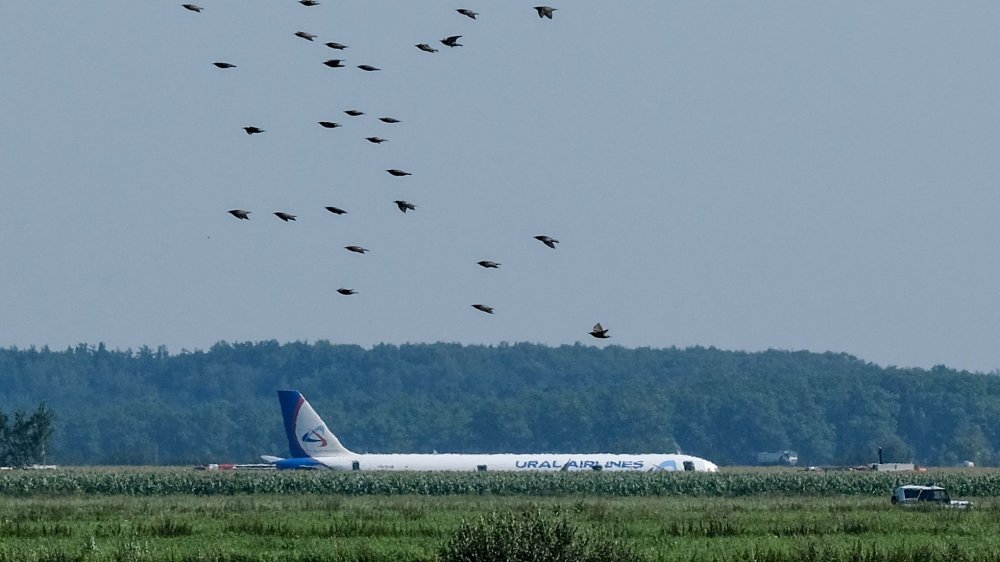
(308, 435)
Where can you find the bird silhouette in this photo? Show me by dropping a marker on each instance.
(599, 332)
(544, 11)
(489, 264)
(452, 41)
(305, 35)
(376, 140)
(329, 124)
(405, 206)
(240, 214)
(344, 291)
(356, 249)
(548, 241)
(336, 210)
(389, 120)
(193, 7)
(224, 65)
(426, 48)
(309, 2)
(368, 68)
(354, 112)
(284, 216)
(466, 12)
(335, 45)
(253, 130)
(334, 63)
(484, 308)
(398, 173)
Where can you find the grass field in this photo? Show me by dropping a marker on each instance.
(40, 520)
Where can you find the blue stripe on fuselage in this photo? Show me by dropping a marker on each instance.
(299, 464)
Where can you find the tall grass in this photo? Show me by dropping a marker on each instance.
(530, 537)
(311, 527)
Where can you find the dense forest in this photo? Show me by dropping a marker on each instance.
(154, 407)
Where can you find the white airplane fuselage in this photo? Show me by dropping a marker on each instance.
(504, 462)
(314, 446)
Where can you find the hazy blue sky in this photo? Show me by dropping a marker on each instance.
(745, 175)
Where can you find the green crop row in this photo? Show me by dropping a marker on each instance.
(131, 482)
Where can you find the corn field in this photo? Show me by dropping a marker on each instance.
(137, 482)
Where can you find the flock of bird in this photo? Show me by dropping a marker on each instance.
(451, 41)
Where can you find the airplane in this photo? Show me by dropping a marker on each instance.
(313, 446)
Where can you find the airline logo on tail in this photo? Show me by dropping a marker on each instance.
(315, 436)
(306, 432)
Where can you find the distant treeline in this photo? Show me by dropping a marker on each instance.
(219, 405)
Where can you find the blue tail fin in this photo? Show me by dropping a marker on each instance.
(307, 434)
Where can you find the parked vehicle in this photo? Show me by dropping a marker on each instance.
(911, 495)
(783, 458)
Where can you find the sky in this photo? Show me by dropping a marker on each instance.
(745, 175)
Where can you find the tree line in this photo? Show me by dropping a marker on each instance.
(219, 405)
(25, 437)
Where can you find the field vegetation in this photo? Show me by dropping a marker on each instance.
(110, 515)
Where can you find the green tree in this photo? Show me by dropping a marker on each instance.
(28, 437)
(4, 436)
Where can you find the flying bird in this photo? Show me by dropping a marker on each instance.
(285, 216)
(426, 48)
(466, 12)
(347, 291)
(335, 45)
(489, 264)
(599, 332)
(224, 65)
(240, 214)
(336, 210)
(335, 63)
(368, 67)
(193, 7)
(376, 140)
(389, 120)
(484, 308)
(329, 124)
(253, 130)
(356, 249)
(398, 173)
(309, 2)
(452, 41)
(354, 112)
(405, 206)
(548, 241)
(304, 35)
(544, 11)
